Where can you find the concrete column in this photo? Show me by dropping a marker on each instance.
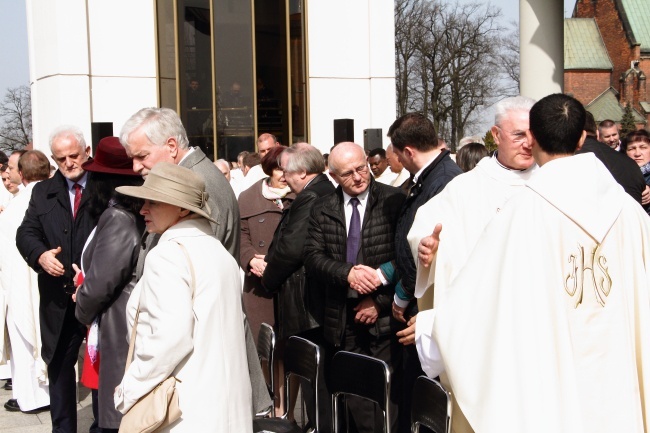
(541, 25)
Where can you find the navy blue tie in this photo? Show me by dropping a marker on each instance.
(354, 233)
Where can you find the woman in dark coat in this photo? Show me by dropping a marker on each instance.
(260, 210)
(108, 263)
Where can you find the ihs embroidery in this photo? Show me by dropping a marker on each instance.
(600, 281)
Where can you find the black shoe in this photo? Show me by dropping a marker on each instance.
(12, 405)
(8, 385)
(37, 410)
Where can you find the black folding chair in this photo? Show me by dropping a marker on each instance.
(302, 359)
(431, 406)
(265, 352)
(362, 376)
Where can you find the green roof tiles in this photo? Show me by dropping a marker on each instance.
(606, 106)
(638, 16)
(583, 45)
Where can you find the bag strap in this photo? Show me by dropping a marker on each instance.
(129, 356)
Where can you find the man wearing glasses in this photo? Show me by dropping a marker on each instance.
(460, 213)
(352, 232)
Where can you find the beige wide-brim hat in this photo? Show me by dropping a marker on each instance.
(175, 185)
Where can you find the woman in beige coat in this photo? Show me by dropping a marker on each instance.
(196, 337)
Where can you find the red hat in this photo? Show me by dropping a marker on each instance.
(110, 158)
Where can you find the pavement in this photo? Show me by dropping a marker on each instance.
(18, 422)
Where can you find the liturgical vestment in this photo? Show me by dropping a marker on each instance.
(547, 326)
(463, 208)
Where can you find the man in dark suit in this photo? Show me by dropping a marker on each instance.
(352, 232)
(154, 135)
(623, 168)
(51, 238)
(299, 304)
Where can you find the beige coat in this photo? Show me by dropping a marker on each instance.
(201, 342)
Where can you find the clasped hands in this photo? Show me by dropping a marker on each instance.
(363, 279)
(257, 265)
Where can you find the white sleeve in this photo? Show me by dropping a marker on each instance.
(165, 325)
(428, 350)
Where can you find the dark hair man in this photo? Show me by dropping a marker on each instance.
(624, 170)
(564, 262)
(378, 165)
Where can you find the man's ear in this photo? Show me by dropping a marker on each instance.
(583, 137)
(495, 133)
(531, 138)
(87, 151)
(172, 145)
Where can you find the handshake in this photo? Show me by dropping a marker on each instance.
(364, 279)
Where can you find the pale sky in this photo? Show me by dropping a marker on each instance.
(13, 37)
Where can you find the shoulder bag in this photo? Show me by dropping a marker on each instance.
(159, 408)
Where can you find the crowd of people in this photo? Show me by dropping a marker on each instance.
(519, 278)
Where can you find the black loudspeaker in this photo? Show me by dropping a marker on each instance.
(343, 130)
(100, 130)
(372, 139)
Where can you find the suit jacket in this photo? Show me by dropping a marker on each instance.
(325, 254)
(623, 168)
(433, 179)
(48, 224)
(109, 267)
(222, 201)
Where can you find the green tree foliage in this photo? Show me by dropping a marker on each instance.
(627, 122)
(489, 142)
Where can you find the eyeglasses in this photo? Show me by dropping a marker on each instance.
(516, 136)
(361, 170)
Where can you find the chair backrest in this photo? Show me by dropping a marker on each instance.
(302, 358)
(266, 351)
(363, 376)
(431, 406)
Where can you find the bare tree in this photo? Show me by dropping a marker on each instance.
(449, 61)
(510, 59)
(16, 117)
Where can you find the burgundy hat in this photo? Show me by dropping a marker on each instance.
(110, 158)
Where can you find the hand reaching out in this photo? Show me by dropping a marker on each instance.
(429, 246)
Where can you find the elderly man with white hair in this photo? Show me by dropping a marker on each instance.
(154, 135)
(51, 238)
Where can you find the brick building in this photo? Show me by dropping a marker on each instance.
(607, 57)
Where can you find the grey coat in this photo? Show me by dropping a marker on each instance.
(109, 261)
(221, 199)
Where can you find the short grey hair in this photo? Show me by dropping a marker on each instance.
(158, 124)
(68, 131)
(304, 157)
(515, 103)
(222, 163)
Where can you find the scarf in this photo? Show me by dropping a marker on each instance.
(274, 194)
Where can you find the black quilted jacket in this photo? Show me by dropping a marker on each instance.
(325, 253)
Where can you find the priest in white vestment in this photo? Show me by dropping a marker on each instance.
(20, 283)
(546, 328)
(470, 200)
(466, 206)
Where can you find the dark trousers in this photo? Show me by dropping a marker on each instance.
(61, 373)
(365, 416)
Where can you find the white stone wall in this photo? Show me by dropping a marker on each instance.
(89, 65)
(351, 67)
(99, 65)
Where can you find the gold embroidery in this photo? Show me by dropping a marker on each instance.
(574, 283)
